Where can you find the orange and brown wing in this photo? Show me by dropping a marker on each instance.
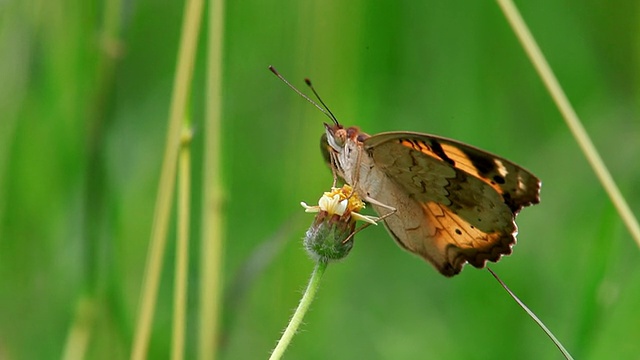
(468, 198)
(447, 241)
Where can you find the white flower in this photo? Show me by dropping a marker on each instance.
(338, 201)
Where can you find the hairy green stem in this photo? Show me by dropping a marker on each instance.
(296, 319)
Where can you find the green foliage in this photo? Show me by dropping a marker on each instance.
(82, 130)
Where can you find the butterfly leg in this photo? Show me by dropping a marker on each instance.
(333, 170)
(355, 232)
(335, 177)
(391, 209)
(373, 201)
(355, 178)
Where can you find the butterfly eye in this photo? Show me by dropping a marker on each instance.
(334, 142)
(336, 138)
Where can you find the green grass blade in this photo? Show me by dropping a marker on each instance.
(533, 316)
(182, 248)
(571, 118)
(212, 213)
(151, 280)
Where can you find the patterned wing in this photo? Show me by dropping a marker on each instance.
(468, 198)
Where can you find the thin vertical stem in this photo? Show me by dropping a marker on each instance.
(298, 315)
(184, 73)
(80, 332)
(85, 326)
(182, 247)
(212, 219)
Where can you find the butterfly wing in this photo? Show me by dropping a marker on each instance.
(465, 198)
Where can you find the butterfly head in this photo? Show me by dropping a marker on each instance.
(339, 147)
(337, 136)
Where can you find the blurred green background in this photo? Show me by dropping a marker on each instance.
(84, 101)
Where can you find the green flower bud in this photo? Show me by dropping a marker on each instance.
(330, 237)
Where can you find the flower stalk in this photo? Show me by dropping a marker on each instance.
(301, 310)
(329, 238)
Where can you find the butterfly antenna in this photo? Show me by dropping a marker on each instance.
(308, 82)
(324, 110)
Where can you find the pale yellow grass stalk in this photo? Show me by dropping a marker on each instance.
(182, 247)
(571, 118)
(182, 81)
(212, 217)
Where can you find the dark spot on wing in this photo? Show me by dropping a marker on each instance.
(498, 179)
(511, 203)
(483, 163)
(437, 149)
(448, 270)
(458, 232)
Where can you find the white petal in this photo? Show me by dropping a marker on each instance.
(340, 207)
(309, 209)
(365, 218)
(325, 203)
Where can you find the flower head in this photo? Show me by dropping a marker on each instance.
(330, 237)
(340, 201)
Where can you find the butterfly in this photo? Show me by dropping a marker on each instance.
(445, 201)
